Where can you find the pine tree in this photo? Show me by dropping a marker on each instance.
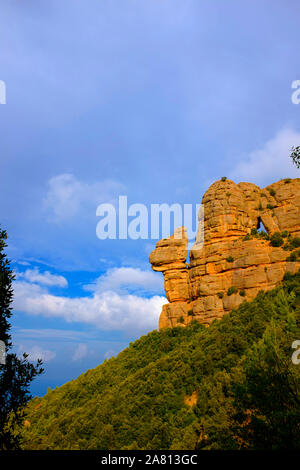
(16, 373)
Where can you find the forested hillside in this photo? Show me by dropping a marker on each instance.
(229, 386)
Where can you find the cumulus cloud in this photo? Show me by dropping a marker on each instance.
(271, 162)
(67, 196)
(106, 310)
(44, 278)
(36, 352)
(123, 279)
(80, 352)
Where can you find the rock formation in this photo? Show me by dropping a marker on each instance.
(236, 261)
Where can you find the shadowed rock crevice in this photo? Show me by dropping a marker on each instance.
(236, 261)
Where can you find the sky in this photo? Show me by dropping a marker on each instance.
(152, 99)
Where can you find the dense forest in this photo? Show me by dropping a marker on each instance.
(232, 385)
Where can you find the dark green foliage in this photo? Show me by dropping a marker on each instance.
(264, 235)
(276, 239)
(220, 295)
(288, 276)
(285, 234)
(191, 313)
(270, 206)
(292, 243)
(247, 237)
(16, 374)
(267, 398)
(295, 156)
(230, 259)
(256, 234)
(272, 191)
(181, 319)
(232, 290)
(240, 367)
(295, 242)
(6, 292)
(294, 256)
(242, 293)
(224, 178)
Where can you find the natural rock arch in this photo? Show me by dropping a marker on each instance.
(229, 268)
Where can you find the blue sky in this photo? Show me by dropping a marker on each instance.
(151, 99)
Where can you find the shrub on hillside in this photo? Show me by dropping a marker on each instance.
(276, 239)
(232, 290)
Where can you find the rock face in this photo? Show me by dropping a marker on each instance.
(235, 262)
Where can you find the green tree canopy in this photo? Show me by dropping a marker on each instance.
(17, 373)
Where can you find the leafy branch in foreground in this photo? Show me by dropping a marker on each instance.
(17, 373)
(295, 156)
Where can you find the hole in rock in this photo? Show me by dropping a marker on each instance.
(260, 226)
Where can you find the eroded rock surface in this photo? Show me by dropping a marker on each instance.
(233, 265)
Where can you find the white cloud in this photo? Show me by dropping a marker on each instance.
(105, 310)
(35, 353)
(23, 263)
(80, 352)
(25, 290)
(53, 335)
(45, 278)
(67, 196)
(124, 279)
(271, 162)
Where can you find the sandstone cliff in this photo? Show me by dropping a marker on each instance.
(236, 261)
